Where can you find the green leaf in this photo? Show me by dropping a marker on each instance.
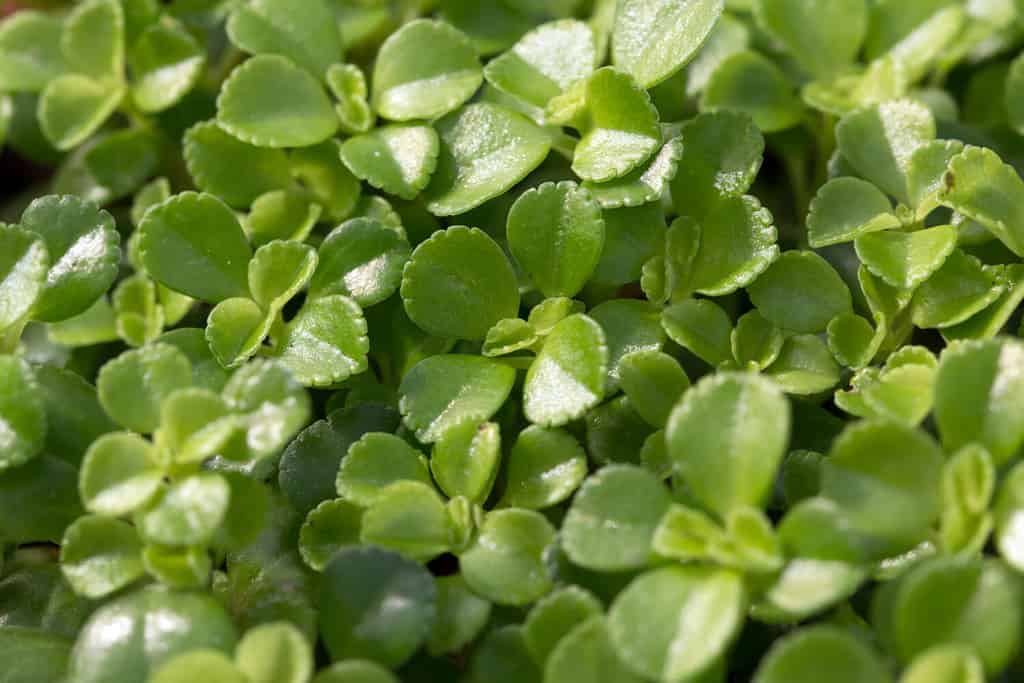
(485, 150)
(629, 325)
(852, 340)
(30, 54)
(332, 185)
(749, 83)
(275, 653)
(508, 336)
(991, 320)
(376, 461)
(355, 671)
(119, 643)
(282, 214)
(414, 80)
(38, 500)
(73, 107)
(348, 85)
(926, 173)
(193, 244)
(1009, 518)
(632, 236)
(459, 283)
(544, 468)
(465, 461)
(653, 39)
(737, 243)
(612, 519)
(890, 501)
(725, 462)
(268, 101)
(22, 413)
(139, 318)
(443, 392)
(567, 378)
(644, 184)
(309, 38)
(653, 381)
(586, 655)
(195, 424)
(980, 186)
(200, 663)
(825, 46)
(545, 62)
(461, 616)
(188, 512)
(214, 158)
(804, 366)
(362, 258)
(846, 208)
(122, 161)
(506, 563)
(184, 568)
(977, 389)
(410, 518)
(962, 287)
(722, 153)
(100, 555)
(621, 130)
(23, 272)
(96, 325)
(556, 233)
(689, 616)
(702, 327)
(74, 416)
(41, 657)
(755, 342)
(398, 159)
(84, 252)
(879, 142)
(133, 385)
(329, 527)
(235, 330)
(166, 62)
(375, 604)
(801, 657)
(555, 616)
(905, 260)
(93, 39)
(979, 609)
(800, 292)
(278, 271)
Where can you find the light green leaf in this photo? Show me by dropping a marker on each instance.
(465, 462)
(348, 85)
(485, 150)
(567, 378)
(653, 39)
(93, 40)
(214, 157)
(801, 657)
(879, 142)
(506, 563)
(545, 62)
(410, 518)
(268, 101)
(749, 83)
(166, 63)
(376, 461)
(555, 616)
(30, 54)
(959, 289)
(195, 424)
(690, 615)
(120, 474)
(737, 243)
(24, 263)
(459, 283)
(235, 330)
(73, 107)
(189, 666)
(398, 159)
(278, 271)
(846, 208)
(309, 38)
(361, 258)
(586, 655)
(133, 385)
(612, 519)
(544, 468)
(804, 366)
(990, 321)
(275, 653)
(193, 244)
(642, 185)
(986, 190)
(653, 381)
(329, 527)
(800, 292)
(621, 130)
(906, 259)
(852, 340)
(755, 342)
(84, 253)
(188, 512)
(100, 555)
(556, 233)
(945, 664)
(825, 46)
(282, 215)
(926, 173)
(508, 336)
(412, 79)
(375, 604)
(728, 463)
(702, 327)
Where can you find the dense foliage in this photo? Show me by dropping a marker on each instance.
(512, 341)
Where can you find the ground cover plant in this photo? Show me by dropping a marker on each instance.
(518, 341)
